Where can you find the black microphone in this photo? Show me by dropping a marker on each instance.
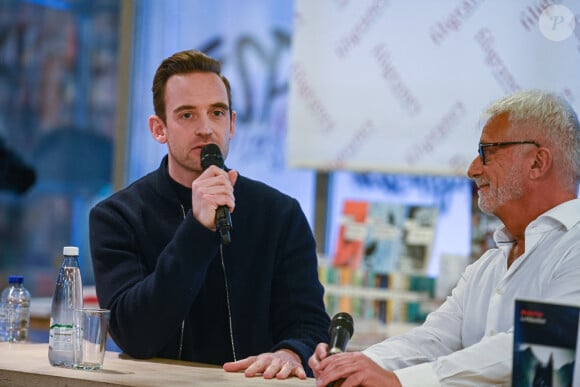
(211, 155)
(340, 331)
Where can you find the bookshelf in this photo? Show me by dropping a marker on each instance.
(375, 294)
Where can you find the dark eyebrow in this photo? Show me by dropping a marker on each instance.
(184, 107)
(220, 105)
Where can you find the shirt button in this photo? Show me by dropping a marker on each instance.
(492, 332)
(499, 291)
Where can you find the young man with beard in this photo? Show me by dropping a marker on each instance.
(174, 287)
(527, 175)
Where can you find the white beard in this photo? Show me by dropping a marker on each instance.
(495, 197)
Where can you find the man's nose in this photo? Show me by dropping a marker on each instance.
(204, 127)
(475, 168)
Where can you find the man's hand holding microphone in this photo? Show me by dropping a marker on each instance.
(334, 367)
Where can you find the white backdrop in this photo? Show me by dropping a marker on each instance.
(399, 86)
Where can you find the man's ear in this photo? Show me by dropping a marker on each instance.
(157, 129)
(542, 163)
(233, 124)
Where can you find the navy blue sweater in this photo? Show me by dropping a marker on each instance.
(161, 274)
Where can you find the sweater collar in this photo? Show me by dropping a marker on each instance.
(170, 188)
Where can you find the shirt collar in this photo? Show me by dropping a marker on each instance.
(566, 214)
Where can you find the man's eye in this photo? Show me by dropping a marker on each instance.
(219, 113)
(490, 151)
(187, 115)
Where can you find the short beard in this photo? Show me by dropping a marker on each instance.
(512, 189)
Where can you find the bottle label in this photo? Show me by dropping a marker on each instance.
(60, 338)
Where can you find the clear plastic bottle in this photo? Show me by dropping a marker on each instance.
(68, 296)
(14, 311)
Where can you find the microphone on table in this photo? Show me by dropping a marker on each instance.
(211, 155)
(340, 331)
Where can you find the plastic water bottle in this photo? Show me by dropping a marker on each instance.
(68, 296)
(14, 311)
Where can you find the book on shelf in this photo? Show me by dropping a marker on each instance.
(352, 234)
(384, 246)
(545, 344)
(401, 309)
(392, 297)
(385, 237)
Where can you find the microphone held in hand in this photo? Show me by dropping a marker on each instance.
(340, 331)
(211, 155)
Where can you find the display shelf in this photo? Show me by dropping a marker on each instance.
(377, 294)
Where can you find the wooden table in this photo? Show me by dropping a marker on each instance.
(26, 364)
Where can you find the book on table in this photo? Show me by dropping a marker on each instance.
(545, 344)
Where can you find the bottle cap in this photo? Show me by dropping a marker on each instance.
(70, 250)
(15, 279)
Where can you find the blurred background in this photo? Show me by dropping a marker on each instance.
(366, 111)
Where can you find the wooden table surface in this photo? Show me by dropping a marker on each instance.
(26, 364)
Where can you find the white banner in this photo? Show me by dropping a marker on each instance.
(399, 86)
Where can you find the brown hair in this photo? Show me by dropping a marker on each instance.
(184, 62)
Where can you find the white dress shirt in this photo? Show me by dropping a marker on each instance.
(468, 340)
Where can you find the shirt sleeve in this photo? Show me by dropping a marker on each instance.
(486, 363)
(439, 335)
(433, 354)
(419, 375)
